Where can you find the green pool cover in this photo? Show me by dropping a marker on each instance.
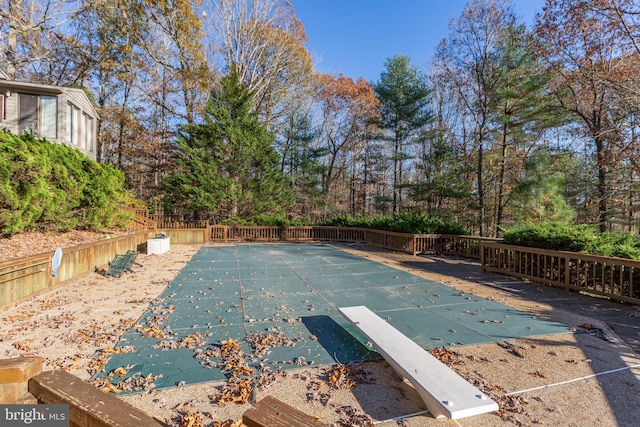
(284, 297)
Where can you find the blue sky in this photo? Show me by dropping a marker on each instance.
(355, 37)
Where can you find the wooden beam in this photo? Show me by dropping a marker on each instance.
(271, 412)
(88, 406)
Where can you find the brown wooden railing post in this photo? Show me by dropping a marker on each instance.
(567, 272)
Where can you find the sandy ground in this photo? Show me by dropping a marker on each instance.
(574, 379)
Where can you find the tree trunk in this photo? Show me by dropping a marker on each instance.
(480, 192)
(396, 169)
(602, 183)
(353, 193)
(12, 42)
(503, 163)
(365, 183)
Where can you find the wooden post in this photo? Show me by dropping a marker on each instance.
(567, 272)
(14, 379)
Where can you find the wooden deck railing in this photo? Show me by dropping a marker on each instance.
(140, 220)
(615, 278)
(465, 246)
(341, 234)
(173, 225)
(395, 241)
(252, 233)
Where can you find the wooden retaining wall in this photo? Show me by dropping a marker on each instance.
(30, 276)
(186, 236)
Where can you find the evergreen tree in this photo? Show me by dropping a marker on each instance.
(541, 194)
(403, 95)
(442, 176)
(520, 108)
(227, 165)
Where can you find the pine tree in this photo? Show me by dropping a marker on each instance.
(541, 194)
(404, 96)
(227, 165)
(520, 107)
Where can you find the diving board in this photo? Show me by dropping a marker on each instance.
(445, 393)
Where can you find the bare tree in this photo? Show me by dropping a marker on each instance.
(26, 26)
(264, 40)
(467, 60)
(592, 59)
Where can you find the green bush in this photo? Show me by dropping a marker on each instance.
(551, 235)
(56, 187)
(616, 244)
(574, 238)
(401, 223)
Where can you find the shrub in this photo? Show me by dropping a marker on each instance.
(575, 238)
(401, 223)
(54, 186)
(551, 235)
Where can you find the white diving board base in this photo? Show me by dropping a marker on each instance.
(445, 393)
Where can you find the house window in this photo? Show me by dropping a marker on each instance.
(28, 113)
(74, 125)
(69, 123)
(2, 109)
(79, 127)
(38, 115)
(49, 117)
(83, 132)
(89, 132)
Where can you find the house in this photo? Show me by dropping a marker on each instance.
(58, 114)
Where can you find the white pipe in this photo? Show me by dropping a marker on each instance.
(415, 414)
(574, 380)
(401, 417)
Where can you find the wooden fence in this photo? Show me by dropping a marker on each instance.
(29, 276)
(465, 246)
(449, 244)
(276, 233)
(139, 220)
(615, 278)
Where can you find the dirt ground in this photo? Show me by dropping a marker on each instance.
(587, 377)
